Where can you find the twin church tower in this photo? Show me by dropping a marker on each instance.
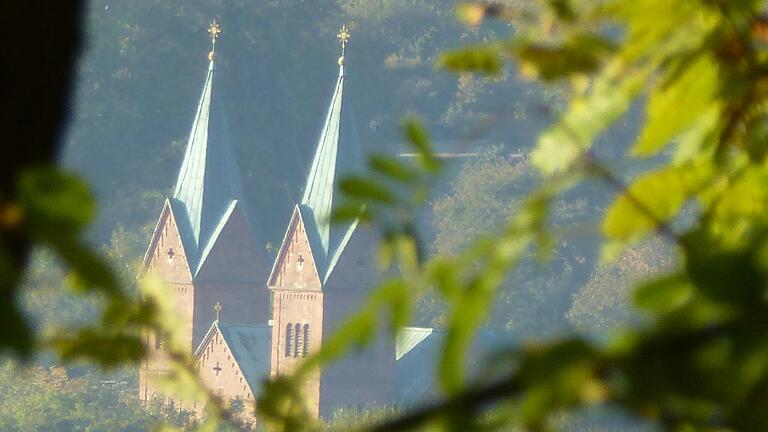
(248, 317)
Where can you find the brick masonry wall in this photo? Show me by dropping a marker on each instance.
(296, 299)
(221, 374)
(168, 260)
(233, 274)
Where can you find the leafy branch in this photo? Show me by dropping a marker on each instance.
(702, 65)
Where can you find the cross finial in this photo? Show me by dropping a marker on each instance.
(217, 308)
(214, 30)
(343, 37)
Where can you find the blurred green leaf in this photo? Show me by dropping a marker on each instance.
(53, 201)
(664, 294)
(682, 99)
(350, 211)
(419, 139)
(480, 59)
(91, 271)
(108, 350)
(651, 200)
(392, 168)
(563, 144)
(581, 54)
(366, 189)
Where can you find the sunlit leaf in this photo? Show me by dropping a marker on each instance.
(651, 200)
(682, 99)
(561, 146)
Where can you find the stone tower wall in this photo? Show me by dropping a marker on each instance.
(296, 300)
(167, 259)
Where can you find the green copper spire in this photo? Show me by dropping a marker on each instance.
(337, 153)
(209, 180)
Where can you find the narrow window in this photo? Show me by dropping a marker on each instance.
(297, 344)
(288, 339)
(306, 340)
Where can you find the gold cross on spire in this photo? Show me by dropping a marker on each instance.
(217, 308)
(214, 30)
(343, 37)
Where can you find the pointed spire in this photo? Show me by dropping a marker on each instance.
(337, 153)
(209, 178)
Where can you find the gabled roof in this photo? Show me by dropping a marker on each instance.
(338, 152)
(250, 345)
(209, 178)
(166, 213)
(215, 235)
(417, 351)
(408, 338)
(296, 219)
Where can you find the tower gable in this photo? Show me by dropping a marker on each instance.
(233, 359)
(233, 254)
(295, 266)
(166, 254)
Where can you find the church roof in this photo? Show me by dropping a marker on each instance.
(417, 350)
(338, 152)
(208, 185)
(250, 345)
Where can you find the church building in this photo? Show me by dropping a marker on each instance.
(324, 271)
(245, 323)
(205, 246)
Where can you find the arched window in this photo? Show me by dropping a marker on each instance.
(288, 340)
(306, 340)
(297, 345)
(158, 341)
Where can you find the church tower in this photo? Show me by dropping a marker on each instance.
(324, 271)
(204, 245)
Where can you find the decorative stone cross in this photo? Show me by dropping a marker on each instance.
(217, 307)
(301, 261)
(217, 369)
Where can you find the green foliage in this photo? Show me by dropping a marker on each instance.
(51, 400)
(581, 53)
(483, 60)
(700, 360)
(350, 419)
